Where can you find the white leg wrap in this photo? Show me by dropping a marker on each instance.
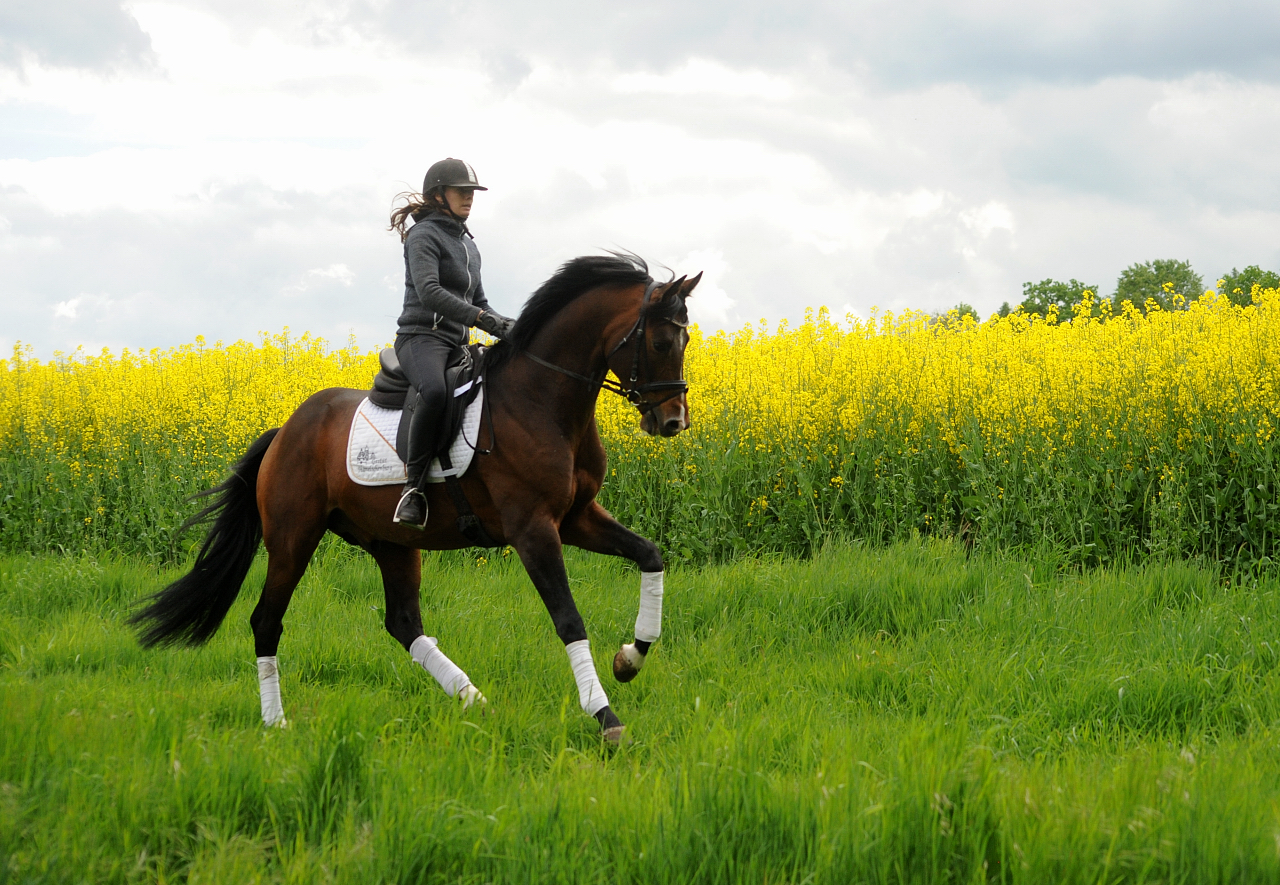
(269, 690)
(649, 621)
(450, 676)
(590, 693)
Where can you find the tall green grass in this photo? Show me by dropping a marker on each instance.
(909, 714)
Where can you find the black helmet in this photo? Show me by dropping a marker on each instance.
(451, 173)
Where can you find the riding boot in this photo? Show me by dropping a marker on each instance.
(412, 509)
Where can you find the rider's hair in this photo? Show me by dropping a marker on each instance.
(417, 206)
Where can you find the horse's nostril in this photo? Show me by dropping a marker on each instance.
(673, 426)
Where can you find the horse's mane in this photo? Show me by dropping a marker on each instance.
(574, 277)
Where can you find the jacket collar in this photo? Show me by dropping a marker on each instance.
(449, 224)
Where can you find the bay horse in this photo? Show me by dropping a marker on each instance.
(535, 490)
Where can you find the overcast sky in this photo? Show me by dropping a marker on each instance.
(171, 169)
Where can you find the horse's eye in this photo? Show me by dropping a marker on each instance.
(662, 346)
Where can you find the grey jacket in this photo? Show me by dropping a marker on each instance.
(442, 288)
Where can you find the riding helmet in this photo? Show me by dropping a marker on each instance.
(451, 173)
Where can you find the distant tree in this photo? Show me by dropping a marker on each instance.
(1039, 297)
(1004, 310)
(1161, 281)
(961, 310)
(1238, 285)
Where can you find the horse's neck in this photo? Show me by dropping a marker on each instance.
(573, 340)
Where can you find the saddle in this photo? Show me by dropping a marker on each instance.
(463, 376)
(392, 390)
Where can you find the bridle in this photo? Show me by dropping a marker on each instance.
(634, 393)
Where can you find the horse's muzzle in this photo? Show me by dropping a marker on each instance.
(666, 420)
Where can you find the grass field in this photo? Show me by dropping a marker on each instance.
(907, 714)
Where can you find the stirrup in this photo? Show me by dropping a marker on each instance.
(412, 509)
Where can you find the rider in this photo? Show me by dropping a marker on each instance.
(443, 297)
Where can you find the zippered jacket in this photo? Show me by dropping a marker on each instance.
(442, 288)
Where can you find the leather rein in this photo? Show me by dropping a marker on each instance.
(634, 393)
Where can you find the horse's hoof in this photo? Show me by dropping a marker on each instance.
(613, 735)
(627, 663)
(471, 696)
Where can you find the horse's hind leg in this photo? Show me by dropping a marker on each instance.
(401, 577)
(287, 559)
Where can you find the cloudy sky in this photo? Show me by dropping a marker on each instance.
(177, 168)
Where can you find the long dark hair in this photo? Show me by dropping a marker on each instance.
(417, 206)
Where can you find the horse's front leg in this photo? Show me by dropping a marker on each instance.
(594, 529)
(538, 545)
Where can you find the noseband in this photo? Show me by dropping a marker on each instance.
(634, 393)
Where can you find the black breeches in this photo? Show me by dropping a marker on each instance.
(424, 359)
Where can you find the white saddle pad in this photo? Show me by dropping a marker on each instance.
(371, 445)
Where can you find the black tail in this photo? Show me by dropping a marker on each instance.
(191, 609)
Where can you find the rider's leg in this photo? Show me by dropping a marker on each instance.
(423, 359)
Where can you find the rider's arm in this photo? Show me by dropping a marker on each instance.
(481, 302)
(423, 252)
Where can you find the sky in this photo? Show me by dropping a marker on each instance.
(225, 169)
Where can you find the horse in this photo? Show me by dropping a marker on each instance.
(534, 488)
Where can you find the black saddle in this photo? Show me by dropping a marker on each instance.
(392, 390)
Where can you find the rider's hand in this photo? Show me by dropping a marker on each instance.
(494, 323)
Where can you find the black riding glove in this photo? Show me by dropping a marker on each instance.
(495, 324)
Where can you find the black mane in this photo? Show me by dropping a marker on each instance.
(574, 277)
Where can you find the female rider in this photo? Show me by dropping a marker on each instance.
(443, 298)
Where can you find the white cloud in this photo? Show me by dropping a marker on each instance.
(336, 273)
(258, 157)
(67, 309)
(701, 76)
(82, 307)
(710, 304)
(992, 215)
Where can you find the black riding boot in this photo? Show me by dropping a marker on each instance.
(423, 438)
(412, 509)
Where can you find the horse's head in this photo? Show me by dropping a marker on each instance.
(651, 368)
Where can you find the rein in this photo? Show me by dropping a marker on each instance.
(633, 393)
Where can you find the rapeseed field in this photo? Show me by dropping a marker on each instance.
(1104, 435)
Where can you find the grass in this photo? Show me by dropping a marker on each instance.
(909, 714)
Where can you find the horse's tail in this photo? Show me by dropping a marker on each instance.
(191, 609)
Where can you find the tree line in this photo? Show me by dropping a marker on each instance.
(1170, 284)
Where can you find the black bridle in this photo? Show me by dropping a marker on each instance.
(634, 393)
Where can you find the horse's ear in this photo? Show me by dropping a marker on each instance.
(672, 288)
(691, 285)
